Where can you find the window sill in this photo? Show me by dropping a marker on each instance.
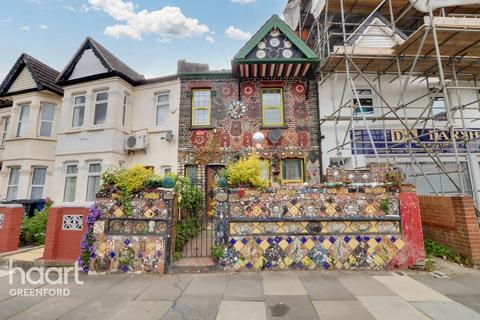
(201, 128)
(159, 130)
(273, 127)
(70, 131)
(96, 128)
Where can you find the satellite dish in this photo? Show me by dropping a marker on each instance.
(169, 136)
(258, 137)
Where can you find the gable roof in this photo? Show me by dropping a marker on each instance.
(275, 22)
(43, 75)
(114, 66)
(375, 23)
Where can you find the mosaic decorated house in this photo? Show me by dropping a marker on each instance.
(271, 89)
(354, 224)
(136, 238)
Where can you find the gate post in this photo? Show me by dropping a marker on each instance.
(10, 223)
(221, 217)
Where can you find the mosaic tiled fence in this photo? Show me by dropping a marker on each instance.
(136, 241)
(309, 228)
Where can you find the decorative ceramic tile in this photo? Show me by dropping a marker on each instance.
(2, 219)
(129, 226)
(72, 222)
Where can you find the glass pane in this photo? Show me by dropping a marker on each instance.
(48, 111)
(95, 168)
(438, 106)
(24, 113)
(45, 129)
(72, 169)
(80, 100)
(292, 169)
(163, 98)
(93, 185)
(102, 96)
(12, 193)
(38, 176)
(162, 115)
(70, 188)
(100, 113)
(272, 116)
(78, 113)
(14, 176)
(201, 117)
(191, 173)
(37, 193)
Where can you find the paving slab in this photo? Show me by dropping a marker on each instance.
(446, 286)
(166, 287)
(15, 305)
(241, 310)
(470, 280)
(207, 285)
(282, 283)
(363, 285)
(342, 310)
(470, 301)
(447, 311)
(391, 308)
(134, 285)
(410, 289)
(290, 308)
(144, 310)
(51, 308)
(244, 287)
(99, 307)
(322, 286)
(193, 307)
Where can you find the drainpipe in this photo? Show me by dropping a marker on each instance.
(320, 136)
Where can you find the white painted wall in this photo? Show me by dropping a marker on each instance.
(24, 81)
(88, 65)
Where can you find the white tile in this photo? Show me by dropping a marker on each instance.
(391, 308)
(410, 289)
(241, 310)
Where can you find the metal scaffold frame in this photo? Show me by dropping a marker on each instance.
(425, 54)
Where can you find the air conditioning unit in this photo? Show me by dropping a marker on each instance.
(137, 141)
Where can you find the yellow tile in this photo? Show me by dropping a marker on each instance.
(353, 243)
(288, 261)
(378, 260)
(264, 244)
(326, 244)
(309, 244)
(399, 243)
(372, 243)
(118, 213)
(283, 244)
(306, 261)
(238, 245)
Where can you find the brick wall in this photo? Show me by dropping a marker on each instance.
(10, 223)
(452, 221)
(62, 239)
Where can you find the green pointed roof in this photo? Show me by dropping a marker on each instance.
(275, 22)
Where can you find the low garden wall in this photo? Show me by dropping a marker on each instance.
(452, 221)
(326, 227)
(136, 238)
(10, 224)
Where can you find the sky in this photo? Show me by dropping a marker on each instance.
(148, 35)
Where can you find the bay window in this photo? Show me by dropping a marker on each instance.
(23, 120)
(78, 111)
(46, 120)
(13, 179)
(101, 103)
(70, 183)
(6, 127)
(93, 182)
(38, 182)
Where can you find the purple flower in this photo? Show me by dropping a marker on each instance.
(93, 255)
(125, 268)
(85, 269)
(91, 248)
(140, 255)
(159, 253)
(112, 254)
(126, 242)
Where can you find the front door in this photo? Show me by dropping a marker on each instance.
(213, 175)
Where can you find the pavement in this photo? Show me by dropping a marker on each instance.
(249, 296)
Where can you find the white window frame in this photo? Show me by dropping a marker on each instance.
(165, 168)
(10, 185)
(363, 93)
(37, 185)
(126, 102)
(22, 124)
(46, 104)
(158, 105)
(6, 128)
(96, 104)
(67, 176)
(78, 106)
(92, 175)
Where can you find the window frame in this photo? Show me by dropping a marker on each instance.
(302, 172)
(47, 121)
(163, 105)
(126, 102)
(193, 108)
(6, 129)
(9, 185)
(281, 107)
(358, 92)
(78, 106)
(92, 175)
(23, 122)
(37, 185)
(70, 175)
(97, 103)
(185, 173)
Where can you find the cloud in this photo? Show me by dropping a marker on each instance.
(237, 34)
(43, 26)
(166, 23)
(243, 1)
(25, 28)
(82, 9)
(210, 39)
(6, 20)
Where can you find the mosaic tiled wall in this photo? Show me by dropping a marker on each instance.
(298, 138)
(136, 241)
(310, 228)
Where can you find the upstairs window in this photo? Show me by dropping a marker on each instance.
(438, 104)
(46, 120)
(12, 188)
(364, 103)
(272, 107)
(292, 170)
(162, 105)
(93, 183)
(78, 111)
(101, 103)
(23, 120)
(126, 100)
(6, 127)
(191, 172)
(38, 182)
(70, 183)
(201, 105)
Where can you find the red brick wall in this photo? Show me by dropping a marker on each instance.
(452, 221)
(10, 229)
(63, 245)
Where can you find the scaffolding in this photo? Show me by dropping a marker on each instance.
(439, 48)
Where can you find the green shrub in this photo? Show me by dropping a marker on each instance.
(217, 252)
(185, 230)
(133, 179)
(33, 229)
(385, 205)
(190, 197)
(168, 182)
(435, 249)
(246, 172)
(153, 182)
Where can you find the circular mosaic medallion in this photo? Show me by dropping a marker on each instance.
(287, 53)
(261, 54)
(261, 45)
(275, 33)
(274, 42)
(287, 44)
